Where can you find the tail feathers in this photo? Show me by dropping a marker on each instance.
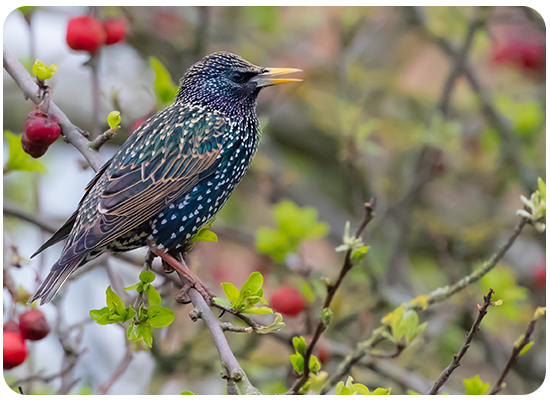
(61, 234)
(57, 277)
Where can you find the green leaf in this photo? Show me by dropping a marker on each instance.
(204, 235)
(144, 328)
(153, 295)
(222, 302)
(18, 160)
(326, 316)
(230, 291)
(413, 393)
(299, 343)
(113, 119)
(114, 302)
(165, 89)
(339, 388)
(314, 364)
(542, 188)
(297, 361)
(147, 276)
(132, 287)
(257, 310)
(252, 285)
(276, 326)
(475, 386)
(101, 316)
(527, 347)
(160, 316)
(133, 333)
(381, 392)
(187, 393)
(43, 71)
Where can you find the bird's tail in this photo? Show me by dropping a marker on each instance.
(59, 273)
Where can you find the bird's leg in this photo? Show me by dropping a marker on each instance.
(193, 280)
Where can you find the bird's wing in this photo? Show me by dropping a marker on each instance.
(172, 152)
(66, 228)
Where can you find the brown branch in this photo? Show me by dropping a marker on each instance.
(30, 89)
(515, 354)
(331, 291)
(446, 374)
(237, 381)
(102, 139)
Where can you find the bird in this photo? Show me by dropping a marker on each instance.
(173, 173)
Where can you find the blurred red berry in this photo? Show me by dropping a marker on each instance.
(115, 29)
(287, 301)
(33, 325)
(11, 326)
(522, 47)
(14, 350)
(539, 273)
(85, 33)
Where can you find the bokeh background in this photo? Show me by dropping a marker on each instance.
(374, 116)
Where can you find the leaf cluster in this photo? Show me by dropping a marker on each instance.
(350, 388)
(404, 325)
(244, 301)
(294, 225)
(142, 319)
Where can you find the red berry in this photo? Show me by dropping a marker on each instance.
(14, 349)
(34, 150)
(287, 301)
(540, 278)
(11, 326)
(116, 29)
(85, 33)
(33, 325)
(41, 130)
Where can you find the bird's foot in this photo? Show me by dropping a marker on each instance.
(192, 280)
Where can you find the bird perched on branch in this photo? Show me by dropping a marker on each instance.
(173, 174)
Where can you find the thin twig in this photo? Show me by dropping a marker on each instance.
(443, 293)
(515, 354)
(437, 296)
(30, 89)
(331, 291)
(102, 139)
(446, 374)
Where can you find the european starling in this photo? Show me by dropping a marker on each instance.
(173, 174)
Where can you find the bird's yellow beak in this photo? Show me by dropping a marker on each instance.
(269, 77)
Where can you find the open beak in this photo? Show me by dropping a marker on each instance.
(270, 77)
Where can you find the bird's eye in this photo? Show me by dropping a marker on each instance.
(237, 77)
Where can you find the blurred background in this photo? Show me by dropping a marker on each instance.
(382, 112)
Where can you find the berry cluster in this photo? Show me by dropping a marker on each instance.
(88, 34)
(32, 326)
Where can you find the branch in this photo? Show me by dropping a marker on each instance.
(516, 352)
(446, 374)
(460, 59)
(331, 291)
(443, 293)
(102, 139)
(437, 296)
(237, 381)
(30, 89)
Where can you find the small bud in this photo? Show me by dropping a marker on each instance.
(326, 316)
(113, 119)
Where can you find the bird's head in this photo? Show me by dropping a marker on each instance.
(228, 83)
